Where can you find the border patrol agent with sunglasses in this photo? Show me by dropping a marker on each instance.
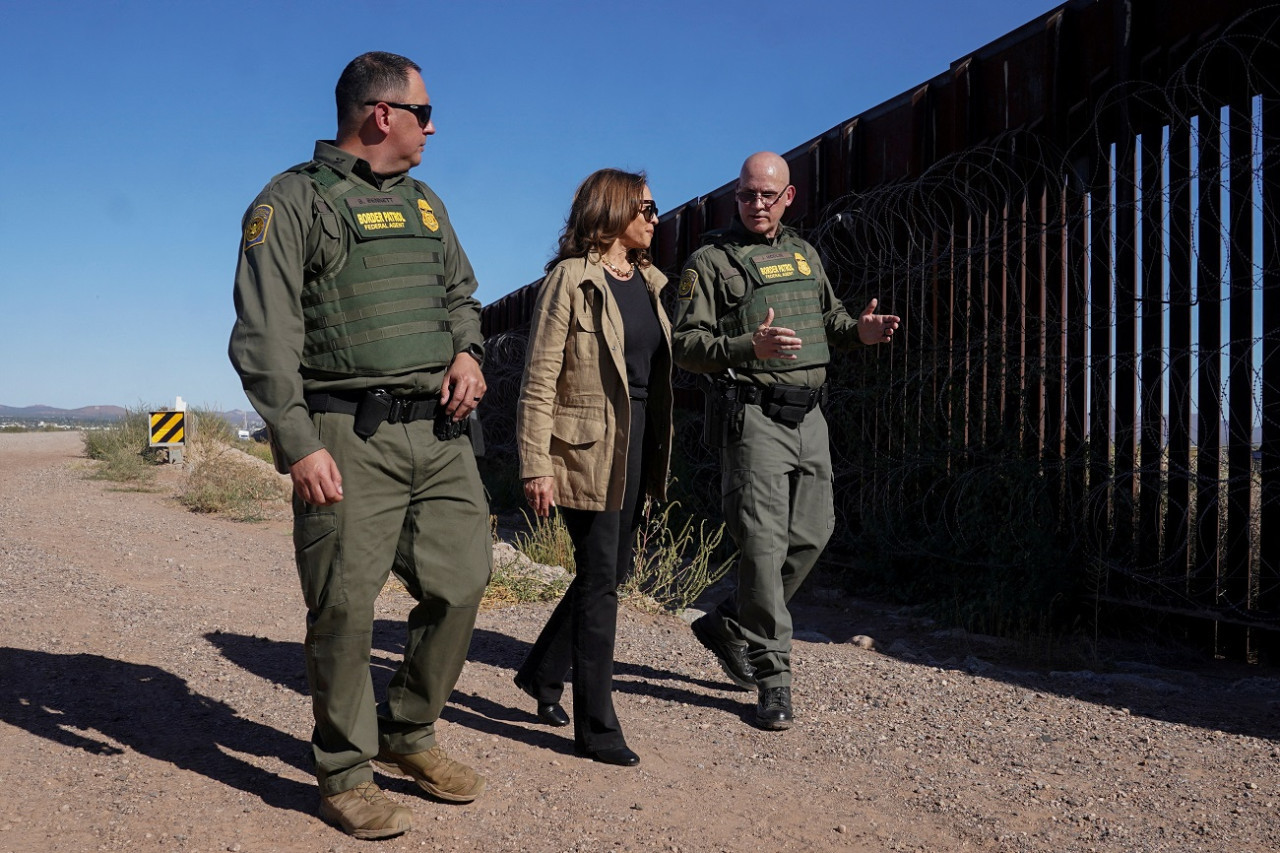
(357, 339)
(756, 314)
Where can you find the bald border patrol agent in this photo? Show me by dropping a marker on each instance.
(757, 314)
(357, 338)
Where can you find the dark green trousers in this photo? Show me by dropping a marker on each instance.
(413, 505)
(780, 511)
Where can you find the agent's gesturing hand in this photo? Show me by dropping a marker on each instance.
(770, 341)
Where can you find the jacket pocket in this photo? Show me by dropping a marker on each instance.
(735, 287)
(586, 346)
(579, 424)
(735, 496)
(585, 328)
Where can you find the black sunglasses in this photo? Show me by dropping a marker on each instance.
(649, 210)
(422, 112)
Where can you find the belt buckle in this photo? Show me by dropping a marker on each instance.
(397, 410)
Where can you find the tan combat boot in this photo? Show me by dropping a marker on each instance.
(436, 773)
(365, 812)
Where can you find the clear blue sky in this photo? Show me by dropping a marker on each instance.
(136, 133)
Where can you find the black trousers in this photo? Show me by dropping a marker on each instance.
(581, 631)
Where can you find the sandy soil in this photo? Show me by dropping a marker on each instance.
(152, 698)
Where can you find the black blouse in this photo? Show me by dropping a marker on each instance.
(642, 335)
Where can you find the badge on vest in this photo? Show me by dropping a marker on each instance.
(803, 265)
(256, 231)
(428, 216)
(378, 216)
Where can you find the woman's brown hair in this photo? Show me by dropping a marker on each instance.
(603, 207)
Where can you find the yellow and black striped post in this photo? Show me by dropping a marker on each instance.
(168, 429)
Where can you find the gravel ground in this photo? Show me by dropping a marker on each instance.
(152, 698)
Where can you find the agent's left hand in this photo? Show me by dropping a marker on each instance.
(463, 387)
(876, 328)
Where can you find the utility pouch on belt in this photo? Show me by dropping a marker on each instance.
(788, 404)
(784, 404)
(446, 428)
(372, 411)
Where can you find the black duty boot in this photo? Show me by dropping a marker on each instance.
(732, 657)
(773, 710)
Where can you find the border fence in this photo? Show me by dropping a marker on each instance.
(1077, 223)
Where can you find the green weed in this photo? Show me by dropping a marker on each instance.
(547, 542)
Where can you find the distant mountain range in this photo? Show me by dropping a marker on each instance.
(237, 417)
(48, 413)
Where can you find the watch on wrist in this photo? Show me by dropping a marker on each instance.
(476, 351)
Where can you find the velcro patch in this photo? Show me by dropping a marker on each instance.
(379, 216)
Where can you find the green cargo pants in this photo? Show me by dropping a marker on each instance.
(780, 511)
(413, 505)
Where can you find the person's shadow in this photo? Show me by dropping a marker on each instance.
(283, 663)
(101, 705)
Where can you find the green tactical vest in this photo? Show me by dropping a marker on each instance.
(783, 281)
(381, 308)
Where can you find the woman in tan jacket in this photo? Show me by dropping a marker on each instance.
(594, 432)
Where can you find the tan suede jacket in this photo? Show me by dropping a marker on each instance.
(574, 416)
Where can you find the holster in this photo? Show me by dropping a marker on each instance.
(722, 411)
(476, 431)
(372, 411)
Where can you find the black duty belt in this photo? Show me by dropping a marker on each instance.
(398, 409)
(783, 395)
(786, 404)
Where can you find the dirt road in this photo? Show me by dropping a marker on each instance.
(152, 698)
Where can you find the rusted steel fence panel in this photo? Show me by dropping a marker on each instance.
(1268, 546)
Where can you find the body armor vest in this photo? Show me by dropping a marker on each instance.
(783, 281)
(380, 308)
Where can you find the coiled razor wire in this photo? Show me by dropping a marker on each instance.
(923, 490)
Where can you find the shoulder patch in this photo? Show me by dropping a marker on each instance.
(259, 221)
(688, 279)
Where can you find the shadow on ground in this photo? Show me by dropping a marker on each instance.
(103, 706)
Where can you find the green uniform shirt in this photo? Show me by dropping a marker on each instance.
(704, 297)
(284, 246)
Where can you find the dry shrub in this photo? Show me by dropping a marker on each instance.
(674, 566)
(226, 481)
(547, 542)
(517, 579)
(675, 562)
(123, 451)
